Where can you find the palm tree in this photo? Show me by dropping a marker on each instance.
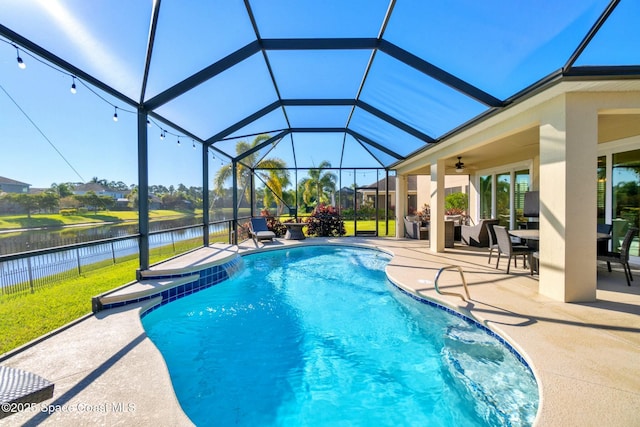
(62, 189)
(320, 186)
(276, 179)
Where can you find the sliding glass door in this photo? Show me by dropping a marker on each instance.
(502, 195)
(625, 191)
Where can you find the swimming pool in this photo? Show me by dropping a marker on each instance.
(319, 336)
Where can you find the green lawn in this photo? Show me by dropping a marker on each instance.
(371, 225)
(8, 222)
(24, 317)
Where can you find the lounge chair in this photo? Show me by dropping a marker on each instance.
(477, 235)
(621, 257)
(259, 231)
(414, 229)
(506, 247)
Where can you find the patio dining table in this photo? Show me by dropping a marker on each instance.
(527, 234)
(534, 234)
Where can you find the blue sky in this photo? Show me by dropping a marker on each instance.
(50, 135)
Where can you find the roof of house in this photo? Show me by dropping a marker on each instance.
(4, 180)
(91, 186)
(412, 184)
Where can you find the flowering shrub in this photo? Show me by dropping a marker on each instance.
(425, 213)
(325, 221)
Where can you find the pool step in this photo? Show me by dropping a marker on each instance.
(140, 291)
(469, 358)
(169, 284)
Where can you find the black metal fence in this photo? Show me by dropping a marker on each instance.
(33, 270)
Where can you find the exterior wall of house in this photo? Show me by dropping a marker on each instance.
(423, 191)
(453, 183)
(10, 186)
(14, 188)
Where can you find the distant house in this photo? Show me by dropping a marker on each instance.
(369, 192)
(418, 190)
(122, 203)
(155, 202)
(12, 186)
(100, 190)
(345, 195)
(36, 190)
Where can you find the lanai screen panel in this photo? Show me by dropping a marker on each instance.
(499, 46)
(618, 42)
(225, 99)
(271, 122)
(107, 39)
(318, 74)
(282, 150)
(191, 36)
(318, 116)
(383, 133)
(382, 157)
(318, 147)
(319, 19)
(416, 99)
(359, 155)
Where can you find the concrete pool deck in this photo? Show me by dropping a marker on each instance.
(586, 357)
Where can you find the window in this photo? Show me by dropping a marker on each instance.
(520, 188)
(486, 197)
(602, 189)
(501, 195)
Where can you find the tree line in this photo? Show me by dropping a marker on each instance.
(274, 179)
(60, 197)
(273, 189)
(48, 201)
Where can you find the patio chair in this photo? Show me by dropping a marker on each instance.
(621, 257)
(603, 245)
(506, 247)
(259, 231)
(477, 235)
(414, 229)
(493, 242)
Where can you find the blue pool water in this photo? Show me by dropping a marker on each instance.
(318, 336)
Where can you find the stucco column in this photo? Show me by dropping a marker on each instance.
(474, 198)
(436, 231)
(401, 203)
(568, 178)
